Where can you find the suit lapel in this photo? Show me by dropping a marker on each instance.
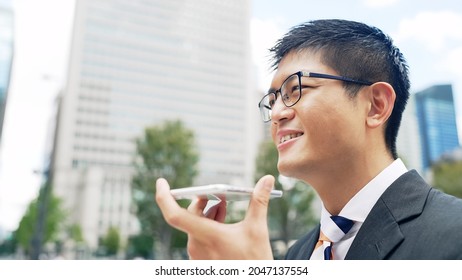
(380, 233)
(377, 237)
(306, 245)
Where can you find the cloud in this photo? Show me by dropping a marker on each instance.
(453, 61)
(433, 30)
(379, 3)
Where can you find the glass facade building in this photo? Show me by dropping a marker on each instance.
(139, 63)
(6, 55)
(408, 141)
(437, 122)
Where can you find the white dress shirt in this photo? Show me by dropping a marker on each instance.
(358, 208)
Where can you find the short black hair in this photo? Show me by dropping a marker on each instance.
(357, 51)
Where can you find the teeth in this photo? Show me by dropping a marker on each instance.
(290, 136)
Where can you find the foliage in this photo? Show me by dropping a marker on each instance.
(266, 162)
(167, 150)
(447, 176)
(140, 246)
(290, 216)
(54, 222)
(75, 233)
(8, 246)
(111, 242)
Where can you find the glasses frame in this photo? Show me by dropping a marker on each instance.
(262, 107)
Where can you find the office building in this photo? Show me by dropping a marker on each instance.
(437, 123)
(6, 55)
(138, 63)
(408, 141)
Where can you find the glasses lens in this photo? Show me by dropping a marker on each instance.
(265, 106)
(290, 90)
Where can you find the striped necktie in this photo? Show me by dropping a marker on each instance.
(343, 226)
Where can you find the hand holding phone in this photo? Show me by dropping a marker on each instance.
(205, 233)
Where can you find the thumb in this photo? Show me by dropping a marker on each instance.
(258, 208)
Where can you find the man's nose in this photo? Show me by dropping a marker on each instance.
(279, 110)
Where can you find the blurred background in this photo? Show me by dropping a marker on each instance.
(99, 98)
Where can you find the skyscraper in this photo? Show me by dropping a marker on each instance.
(138, 63)
(408, 141)
(437, 122)
(6, 54)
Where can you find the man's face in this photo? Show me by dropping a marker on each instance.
(326, 128)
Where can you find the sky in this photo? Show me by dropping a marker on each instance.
(428, 33)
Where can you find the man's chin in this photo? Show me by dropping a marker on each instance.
(285, 169)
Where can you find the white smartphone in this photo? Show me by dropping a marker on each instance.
(218, 192)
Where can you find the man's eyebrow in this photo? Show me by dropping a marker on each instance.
(271, 90)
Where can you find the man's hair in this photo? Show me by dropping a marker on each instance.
(357, 51)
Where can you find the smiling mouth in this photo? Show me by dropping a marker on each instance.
(289, 136)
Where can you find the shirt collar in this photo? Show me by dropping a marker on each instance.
(361, 204)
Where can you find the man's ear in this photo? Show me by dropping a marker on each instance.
(382, 100)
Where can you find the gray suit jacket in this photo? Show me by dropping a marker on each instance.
(410, 220)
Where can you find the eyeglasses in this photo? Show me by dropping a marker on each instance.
(291, 91)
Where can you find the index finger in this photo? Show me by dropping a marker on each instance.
(201, 228)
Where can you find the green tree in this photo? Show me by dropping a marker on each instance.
(75, 233)
(140, 245)
(54, 222)
(290, 216)
(167, 150)
(111, 242)
(8, 246)
(447, 176)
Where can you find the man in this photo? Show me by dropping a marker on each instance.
(335, 106)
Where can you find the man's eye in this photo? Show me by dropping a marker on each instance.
(295, 89)
(307, 86)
